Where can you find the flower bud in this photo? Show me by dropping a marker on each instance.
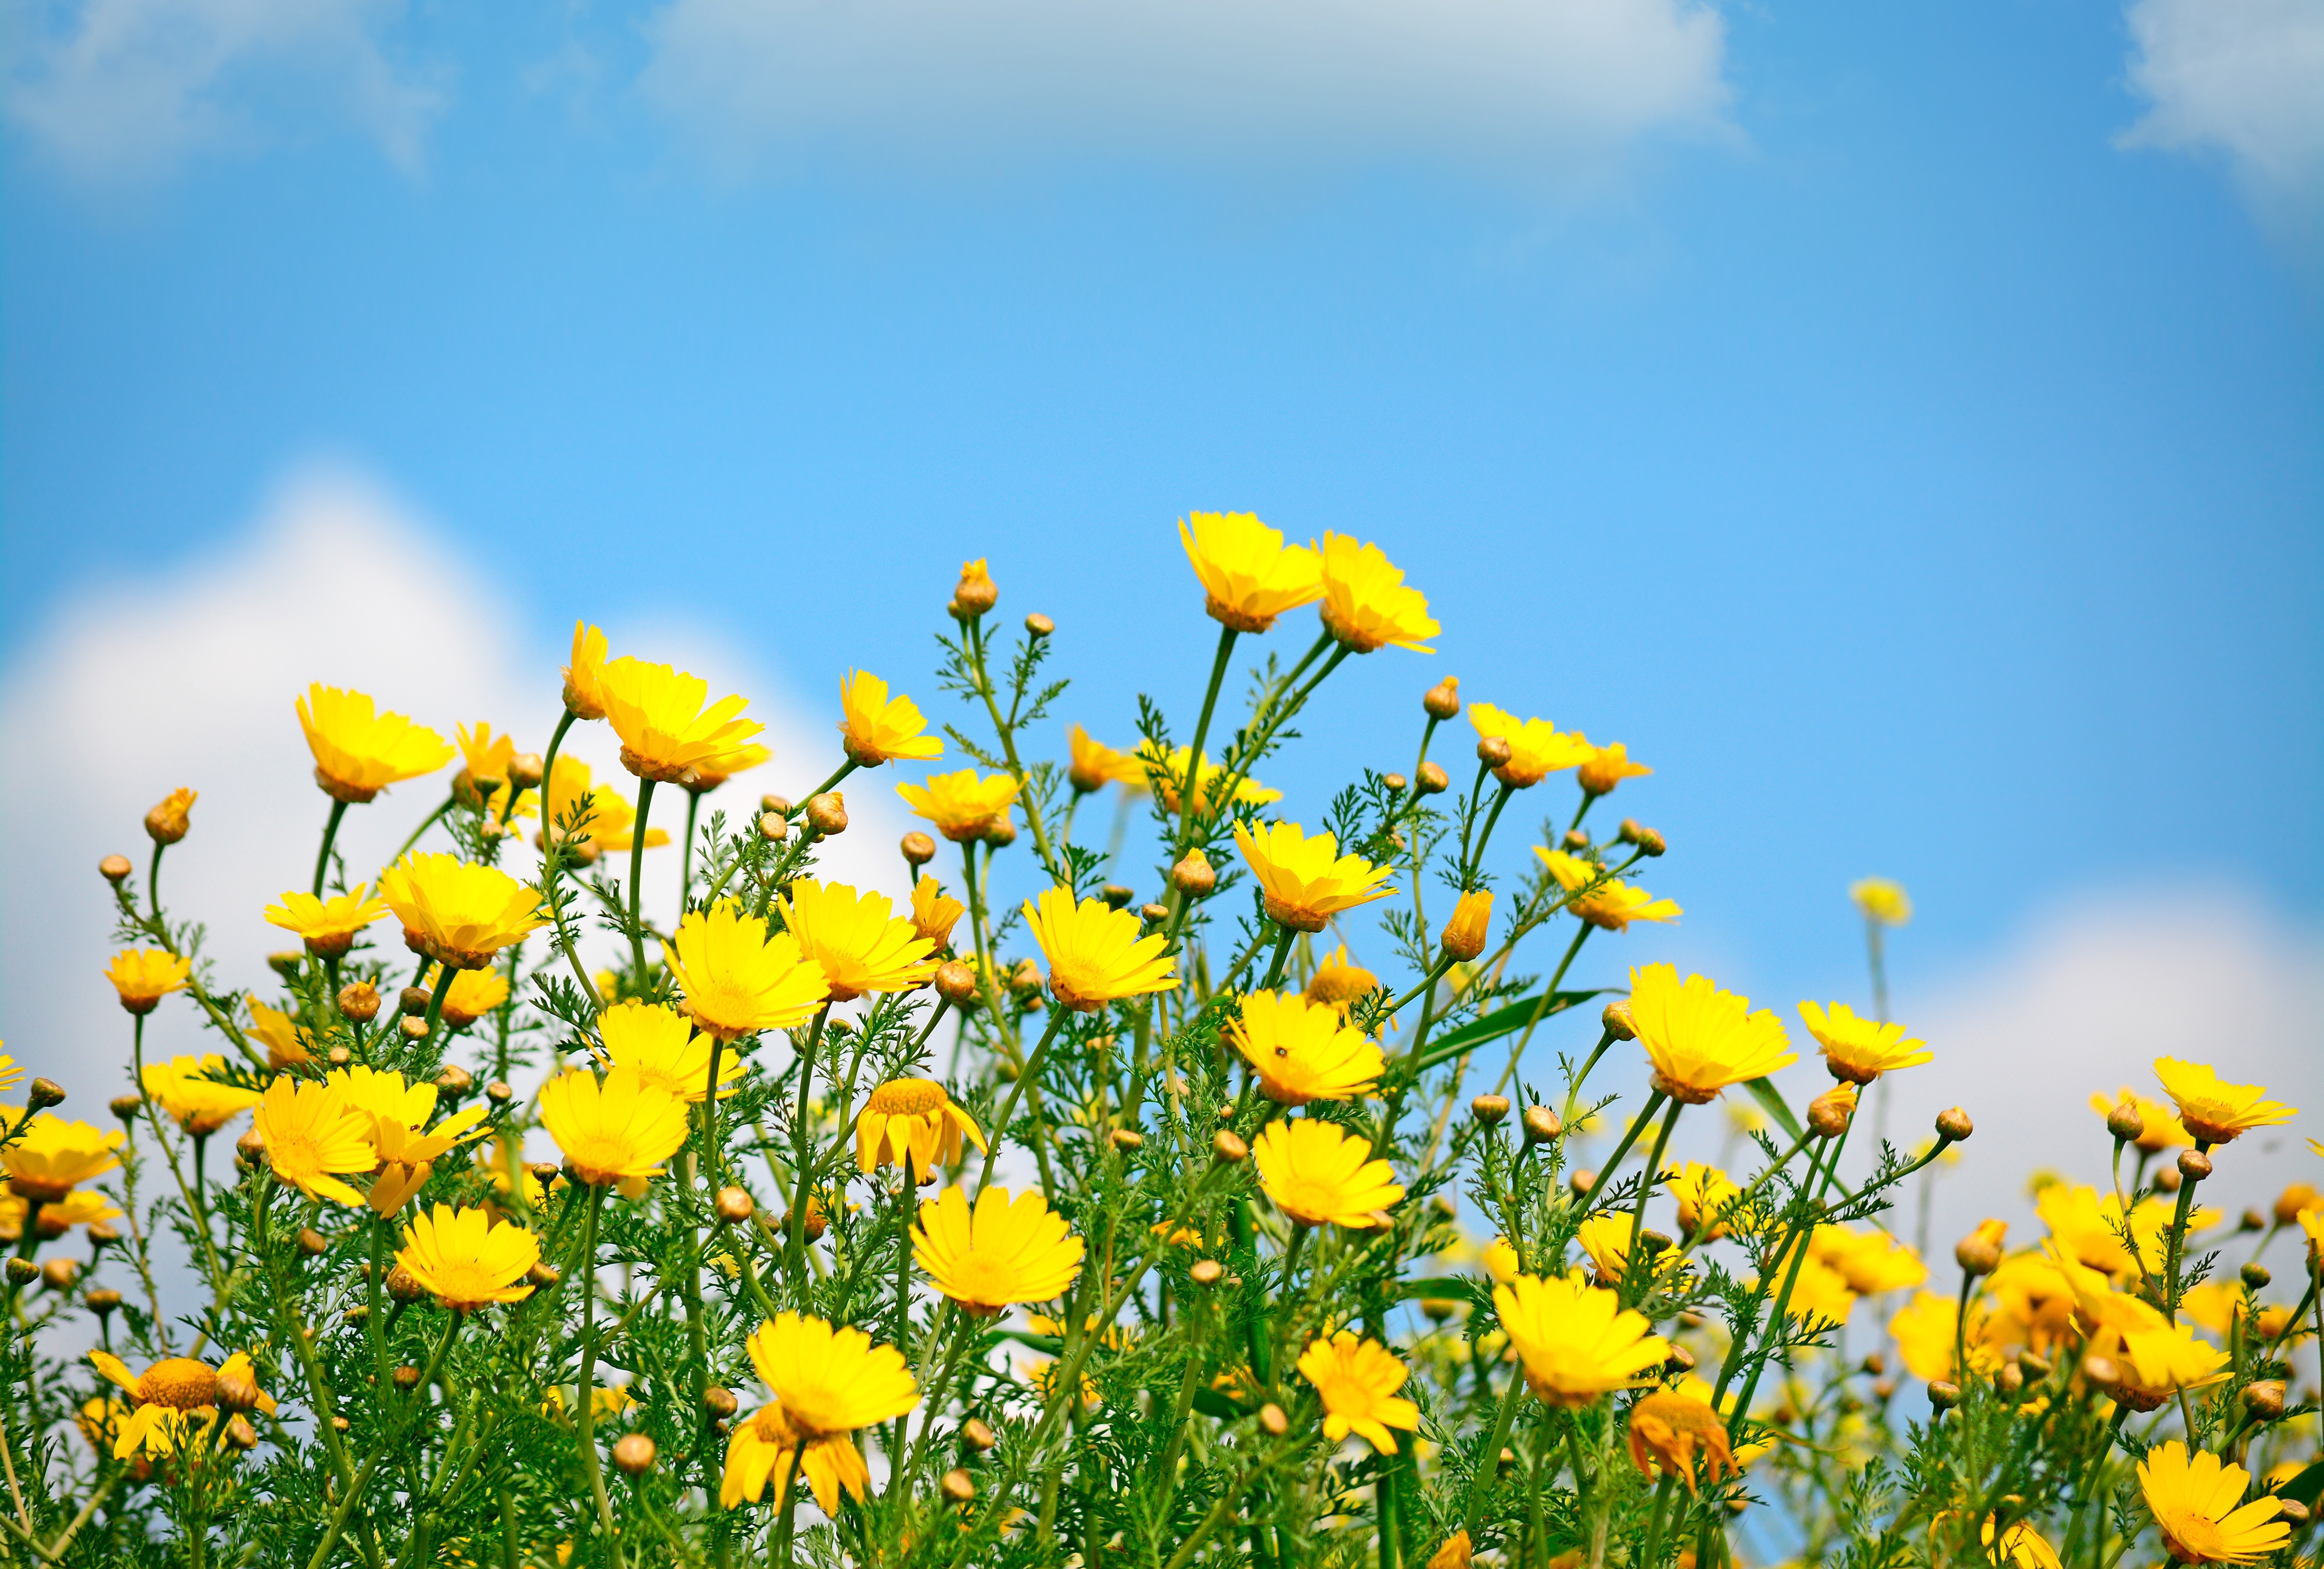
(1206, 1272)
(1883, 1390)
(248, 1148)
(1394, 783)
(2101, 1371)
(1039, 625)
(23, 1272)
(412, 1002)
(976, 594)
(1432, 780)
(774, 828)
(543, 1275)
(1943, 1394)
(1442, 700)
(404, 1285)
(1617, 1020)
(959, 1487)
(500, 1092)
(1651, 841)
(1953, 1125)
(1437, 1309)
(2010, 1379)
(1488, 1110)
(240, 1434)
(633, 1454)
(1680, 1361)
(2036, 1366)
(1980, 1253)
(1495, 751)
(525, 771)
(734, 1205)
(1000, 832)
(1576, 840)
(237, 1390)
(1829, 1114)
(1469, 926)
(413, 1029)
(826, 814)
(1228, 1148)
(2292, 1512)
(2299, 1196)
(2252, 1220)
(2255, 1276)
(167, 823)
(720, 1401)
(43, 1094)
(114, 868)
(58, 1273)
(977, 1437)
(2125, 1125)
(1272, 1418)
(1583, 1180)
(103, 1300)
(454, 1082)
(1129, 1140)
(1194, 877)
(1154, 914)
(1541, 1124)
(2194, 1165)
(955, 983)
(918, 848)
(313, 1244)
(2263, 1399)
(1025, 981)
(406, 1377)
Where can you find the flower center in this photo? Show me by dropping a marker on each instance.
(907, 1098)
(180, 1383)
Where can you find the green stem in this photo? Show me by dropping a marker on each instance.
(322, 856)
(795, 1242)
(1630, 1260)
(584, 1412)
(1613, 1162)
(1489, 1459)
(685, 853)
(637, 876)
(1008, 1106)
(1227, 636)
(426, 823)
(445, 976)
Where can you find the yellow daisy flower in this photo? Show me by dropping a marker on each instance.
(1357, 1382)
(1248, 575)
(961, 805)
(484, 760)
(1923, 1332)
(857, 938)
(360, 752)
(2022, 1548)
(1702, 1193)
(326, 926)
(287, 1045)
(913, 1124)
(1857, 1051)
(1321, 1176)
(144, 976)
(1612, 904)
(760, 1452)
(2197, 1501)
(398, 1114)
(880, 728)
(314, 1136)
(739, 978)
(1000, 1252)
(81, 1207)
(182, 1087)
(169, 1397)
(2213, 1111)
(1576, 1340)
(934, 912)
(458, 912)
(1607, 766)
(1871, 1261)
(474, 994)
(1305, 879)
(466, 1260)
(717, 767)
(1536, 747)
(1883, 902)
(1670, 1431)
(659, 1042)
(1094, 951)
(617, 1130)
(1340, 981)
(1093, 765)
(1164, 774)
(53, 1157)
(1303, 1050)
(2160, 1122)
(665, 733)
(585, 677)
(1700, 1039)
(830, 1380)
(2167, 1357)
(1365, 602)
(12, 1072)
(612, 817)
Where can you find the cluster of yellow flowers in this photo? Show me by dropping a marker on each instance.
(1190, 1152)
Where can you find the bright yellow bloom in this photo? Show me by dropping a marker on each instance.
(1303, 1050)
(659, 1042)
(288, 1046)
(359, 752)
(398, 1114)
(857, 938)
(2212, 1111)
(328, 926)
(1669, 1431)
(2022, 1548)
(1366, 604)
(459, 912)
(1469, 926)
(1321, 1176)
(170, 1396)
(144, 976)
(1095, 765)
(1536, 748)
(1607, 766)
(1000, 1252)
(934, 912)
(81, 1207)
(610, 816)
(1858, 1050)
(397, 1185)
(2088, 1228)
(880, 728)
(464, 1259)
(1609, 904)
(830, 1380)
(1700, 1039)
(169, 820)
(2197, 1501)
(914, 1124)
(1094, 951)
(1882, 902)
(2169, 1356)
(2214, 1305)
(1358, 1381)
(314, 1136)
(1702, 1193)
(1248, 575)
(585, 677)
(760, 1452)
(1340, 981)
(1871, 1261)
(474, 994)
(961, 805)
(182, 1087)
(484, 761)
(738, 977)
(665, 733)
(717, 767)
(1605, 1237)
(1923, 1332)
(12, 1072)
(54, 1157)
(619, 1129)
(1577, 1340)
(1165, 776)
(2161, 1123)
(1305, 879)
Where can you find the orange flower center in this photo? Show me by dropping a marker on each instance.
(907, 1098)
(180, 1383)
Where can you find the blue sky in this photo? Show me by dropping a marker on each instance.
(1901, 424)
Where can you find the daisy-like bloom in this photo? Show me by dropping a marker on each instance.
(1365, 602)
(934, 912)
(326, 926)
(585, 677)
(484, 762)
(1305, 879)
(1611, 904)
(1536, 747)
(665, 733)
(2167, 1357)
(912, 1123)
(1303, 1050)
(738, 977)
(2089, 1227)
(1670, 1433)
(1607, 766)
(1340, 981)
(1882, 902)
(358, 751)
(459, 912)
(314, 1136)
(1094, 951)
(961, 805)
(612, 817)
(2022, 1548)
(761, 1450)
(660, 1043)
(464, 1259)
(1577, 1340)
(1872, 1262)
(144, 976)
(1093, 765)
(1702, 1193)
(1500, 1260)
(1605, 1237)
(1923, 1330)
(398, 1114)
(830, 1380)
(287, 1045)
(1165, 776)
(12, 1072)
(719, 766)
(1358, 1381)
(198, 1102)
(880, 728)
(2159, 1122)
(1248, 575)
(856, 937)
(79, 1207)
(54, 1157)
(474, 994)
(2212, 1110)
(99, 1421)
(1857, 1051)
(1002, 1251)
(168, 1396)
(619, 1131)
(1321, 1176)
(2197, 1501)
(1700, 1039)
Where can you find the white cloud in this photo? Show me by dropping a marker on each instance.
(2241, 79)
(124, 88)
(1557, 87)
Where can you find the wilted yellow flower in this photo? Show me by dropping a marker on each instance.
(1322, 1177)
(760, 1451)
(830, 1381)
(1702, 1193)
(1096, 953)
(666, 731)
(1857, 1051)
(1670, 1431)
(2197, 1501)
(1358, 1381)
(1577, 1340)
(1248, 575)
(933, 912)
(660, 1043)
(358, 751)
(459, 912)
(1366, 604)
(1881, 901)
(1536, 748)
(1700, 1039)
(1165, 776)
(1093, 765)
(314, 1136)
(464, 1259)
(856, 939)
(53, 1157)
(912, 1123)
(1000, 1252)
(961, 805)
(739, 978)
(2212, 1111)
(2161, 1123)
(144, 976)
(880, 728)
(617, 1130)
(1305, 879)
(182, 1087)
(326, 926)
(1607, 766)
(1302, 1050)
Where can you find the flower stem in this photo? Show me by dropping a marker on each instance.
(1227, 636)
(637, 877)
(1008, 1106)
(1630, 1271)
(322, 856)
(584, 1413)
(426, 823)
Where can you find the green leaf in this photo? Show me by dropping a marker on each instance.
(1211, 1403)
(1452, 1288)
(1765, 1094)
(1499, 1022)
